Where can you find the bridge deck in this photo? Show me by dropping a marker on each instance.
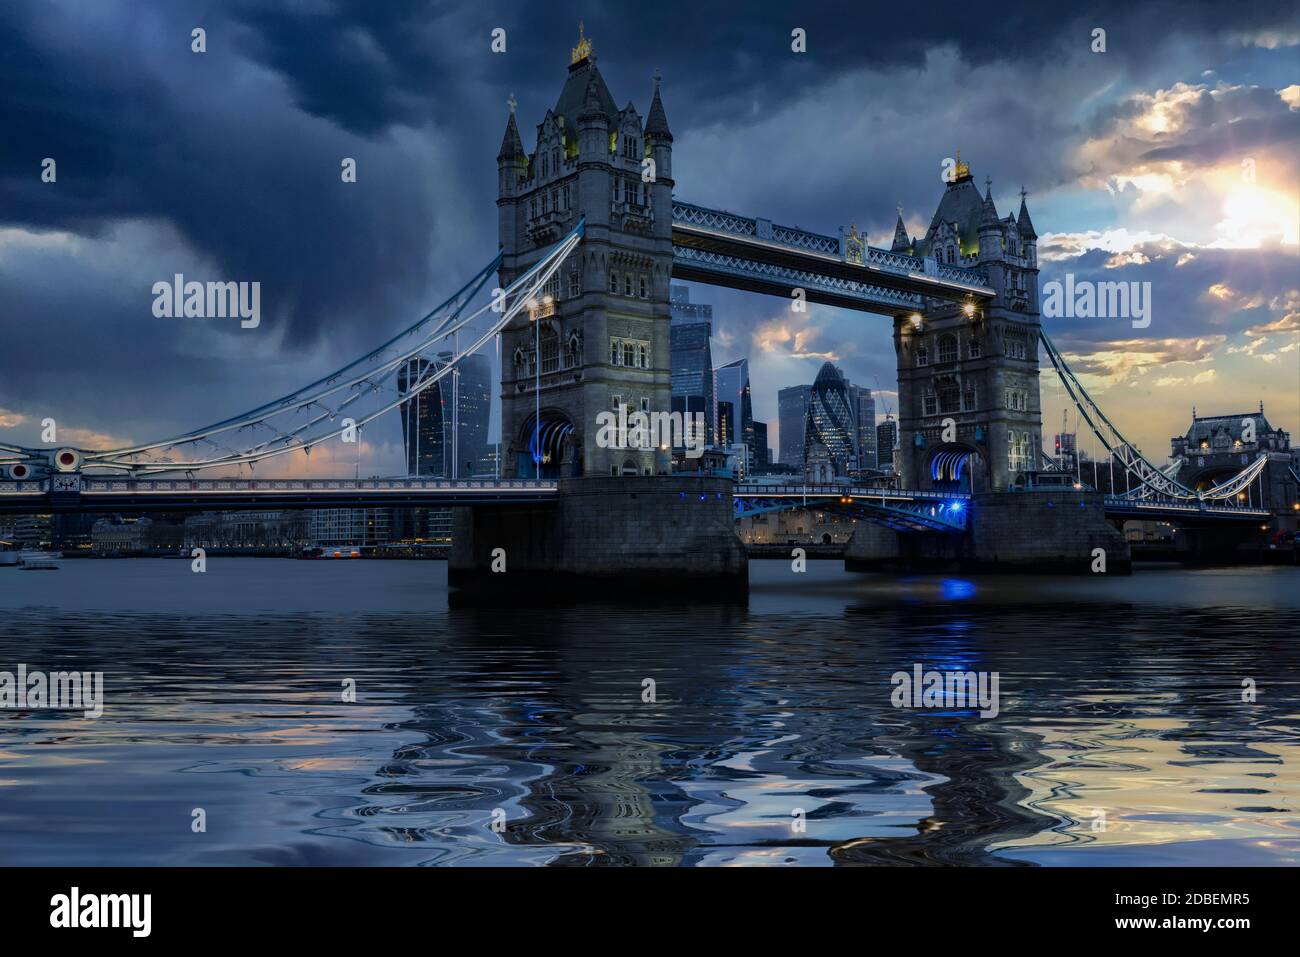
(722, 248)
(94, 494)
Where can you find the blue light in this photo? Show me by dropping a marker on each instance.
(956, 506)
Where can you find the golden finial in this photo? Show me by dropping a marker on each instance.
(962, 168)
(583, 49)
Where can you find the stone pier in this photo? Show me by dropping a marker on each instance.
(1044, 531)
(642, 537)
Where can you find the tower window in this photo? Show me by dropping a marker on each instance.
(973, 348)
(948, 348)
(643, 287)
(922, 356)
(627, 285)
(613, 282)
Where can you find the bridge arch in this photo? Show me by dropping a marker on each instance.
(552, 447)
(957, 467)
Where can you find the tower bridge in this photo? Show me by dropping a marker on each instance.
(590, 238)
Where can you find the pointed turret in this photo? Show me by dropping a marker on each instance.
(988, 212)
(511, 144)
(656, 123)
(592, 106)
(902, 242)
(1024, 223)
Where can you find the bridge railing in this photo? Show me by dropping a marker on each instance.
(131, 486)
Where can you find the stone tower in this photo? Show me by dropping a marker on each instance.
(603, 326)
(968, 403)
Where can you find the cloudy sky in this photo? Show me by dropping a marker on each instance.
(1170, 158)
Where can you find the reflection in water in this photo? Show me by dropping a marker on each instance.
(224, 691)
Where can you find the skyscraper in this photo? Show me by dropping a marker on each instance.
(886, 439)
(830, 426)
(792, 409)
(692, 361)
(733, 387)
(864, 414)
(438, 440)
(763, 455)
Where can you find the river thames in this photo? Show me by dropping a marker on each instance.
(493, 736)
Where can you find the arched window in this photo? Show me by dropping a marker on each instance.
(973, 348)
(613, 282)
(948, 348)
(643, 287)
(627, 284)
(613, 353)
(922, 356)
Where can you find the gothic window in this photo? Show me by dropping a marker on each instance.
(948, 348)
(613, 352)
(922, 356)
(555, 161)
(968, 399)
(568, 196)
(643, 357)
(545, 171)
(629, 354)
(627, 284)
(929, 404)
(618, 402)
(573, 351)
(555, 200)
(534, 208)
(1017, 450)
(613, 282)
(948, 396)
(643, 287)
(575, 286)
(973, 348)
(550, 351)
(645, 404)
(546, 203)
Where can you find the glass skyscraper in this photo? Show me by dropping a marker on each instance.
(864, 417)
(439, 441)
(830, 429)
(792, 410)
(733, 387)
(692, 369)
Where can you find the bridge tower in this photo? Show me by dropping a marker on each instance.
(602, 328)
(969, 413)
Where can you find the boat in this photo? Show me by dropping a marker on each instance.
(34, 561)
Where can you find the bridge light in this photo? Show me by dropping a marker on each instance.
(956, 506)
(916, 320)
(969, 309)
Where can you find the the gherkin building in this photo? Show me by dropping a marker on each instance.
(830, 421)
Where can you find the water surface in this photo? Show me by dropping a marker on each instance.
(1122, 736)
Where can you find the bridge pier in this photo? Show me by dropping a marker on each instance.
(1053, 531)
(646, 538)
(1227, 545)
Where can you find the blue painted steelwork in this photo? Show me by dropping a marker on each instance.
(900, 509)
